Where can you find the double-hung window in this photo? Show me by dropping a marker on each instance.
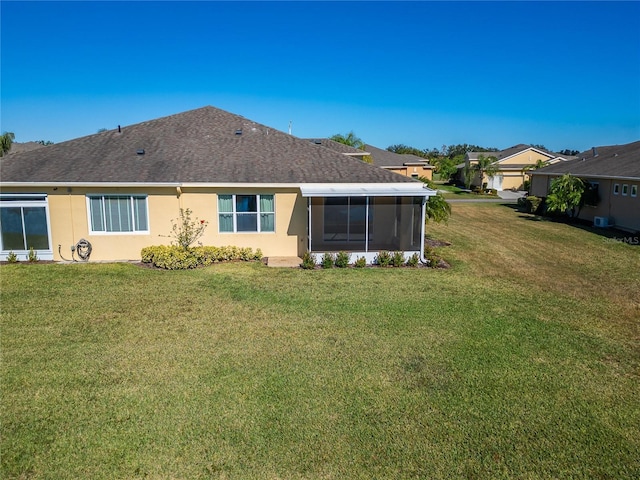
(118, 214)
(246, 213)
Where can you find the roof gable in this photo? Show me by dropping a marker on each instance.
(206, 145)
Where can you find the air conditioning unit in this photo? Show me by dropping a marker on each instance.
(600, 221)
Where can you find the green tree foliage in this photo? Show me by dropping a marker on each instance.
(565, 194)
(6, 140)
(44, 142)
(349, 139)
(568, 152)
(404, 149)
(446, 167)
(461, 149)
(437, 209)
(469, 173)
(486, 165)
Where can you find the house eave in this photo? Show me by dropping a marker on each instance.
(587, 175)
(89, 184)
(364, 190)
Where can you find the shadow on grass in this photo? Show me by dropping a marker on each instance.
(609, 233)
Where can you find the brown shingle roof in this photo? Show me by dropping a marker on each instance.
(614, 161)
(206, 145)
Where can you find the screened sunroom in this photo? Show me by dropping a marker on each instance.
(364, 220)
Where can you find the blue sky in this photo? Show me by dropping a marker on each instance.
(424, 74)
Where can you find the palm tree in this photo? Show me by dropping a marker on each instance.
(6, 140)
(486, 166)
(348, 139)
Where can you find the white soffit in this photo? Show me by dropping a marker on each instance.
(366, 190)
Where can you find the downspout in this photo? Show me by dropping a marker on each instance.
(422, 228)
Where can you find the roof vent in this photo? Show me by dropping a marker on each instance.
(239, 131)
(140, 151)
(595, 151)
(318, 142)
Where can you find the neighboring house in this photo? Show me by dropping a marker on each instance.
(405, 164)
(341, 148)
(514, 165)
(613, 172)
(123, 189)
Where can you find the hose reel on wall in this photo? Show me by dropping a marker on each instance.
(82, 248)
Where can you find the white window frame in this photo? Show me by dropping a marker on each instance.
(616, 188)
(130, 197)
(258, 212)
(29, 200)
(634, 190)
(625, 189)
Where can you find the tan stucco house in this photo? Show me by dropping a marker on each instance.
(122, 189)
(614, 172)
(513, 163)
(405, 164)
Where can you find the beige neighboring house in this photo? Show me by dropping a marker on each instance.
(404, 164)
(614, 172)
(122, 190)
(514, 165)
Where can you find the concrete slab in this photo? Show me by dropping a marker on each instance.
(285, 262)
(509, 195)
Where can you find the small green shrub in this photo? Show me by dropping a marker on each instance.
(532, 203)
(12, 257)
(308, 261)
(33, 256)
(383, 258)
(397, 259)
(186, 231)
(360, 262)
(430, 255)
(413, 260)
(342, 259)
(327, 261)
(176, 257)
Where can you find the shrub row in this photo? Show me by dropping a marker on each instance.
(174, 257)
(343, 259)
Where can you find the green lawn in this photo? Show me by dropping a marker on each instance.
(453, 192)
(521, 361)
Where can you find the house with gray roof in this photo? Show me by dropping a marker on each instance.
(407, 164)
(122, 189)
(613, 173)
